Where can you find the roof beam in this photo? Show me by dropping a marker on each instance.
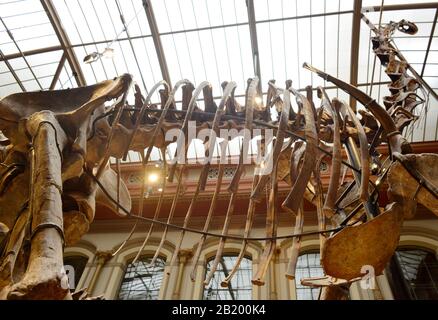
(157, 40)
(29, 53)
(355, 36)
(254, 42)
(64, 40)
(58, 71)
(14, 74)
(430, 42)
(406, 6)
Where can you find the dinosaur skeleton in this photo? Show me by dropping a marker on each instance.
(57, 144)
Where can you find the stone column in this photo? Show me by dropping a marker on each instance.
(184, 255)
(102, 257)
(273, 295)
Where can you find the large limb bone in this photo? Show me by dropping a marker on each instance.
(44, 274)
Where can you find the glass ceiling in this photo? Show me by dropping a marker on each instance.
(208, 40)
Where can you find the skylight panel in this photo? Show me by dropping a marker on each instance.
(28, 23)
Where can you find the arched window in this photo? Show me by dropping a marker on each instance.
(74, 267)
(416, 271)
(240, 287)
(142, 281)
(308, 266)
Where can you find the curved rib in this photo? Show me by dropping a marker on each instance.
(121, 107)
(396, 141)
(157, 209)
(145, 159)
(248, 226)
(183, 131)
(181, 138)
(296, 245)
(235, 180)
(223, 146)
(249, 113)
(204, 174)
(319, 203)
(143, 111)
(271, 218)
(364, 156)
(335, 172)
(290, 203)
(228, 92)
(257, 192)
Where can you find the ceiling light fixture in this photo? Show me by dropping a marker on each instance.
(108, 52)
(92, 57)
(153, 177)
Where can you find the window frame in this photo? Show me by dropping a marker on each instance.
(227, 254)
(142, 258)
(408, 289)
(307, 252)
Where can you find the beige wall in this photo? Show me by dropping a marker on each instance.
(420, 233)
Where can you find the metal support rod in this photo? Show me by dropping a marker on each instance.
(58, 71)
(134, 54)
(226, 273)
(157, 40)
(64, 40)
(254, 42)
(355, 37)
(14, 74)
(21, 53)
